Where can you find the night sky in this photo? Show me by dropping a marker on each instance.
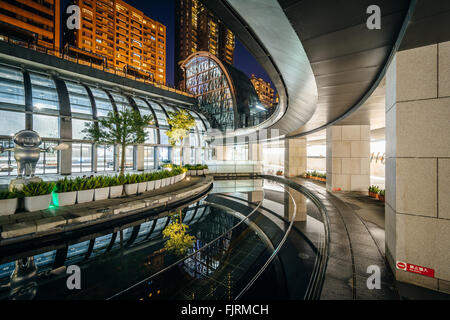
(164, 11)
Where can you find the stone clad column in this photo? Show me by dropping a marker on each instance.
(348, 158)
(140, 157)
(294, 157)
(417, 208)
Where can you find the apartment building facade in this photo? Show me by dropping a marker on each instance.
(264, 90)
(123, 35)
(33, 21)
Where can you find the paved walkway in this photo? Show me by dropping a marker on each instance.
(357, 242)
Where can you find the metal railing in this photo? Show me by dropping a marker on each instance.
(59, 53)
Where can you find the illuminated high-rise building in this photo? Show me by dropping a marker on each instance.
(264, 90)
(197, 29)
(33, 21)
(123, 35)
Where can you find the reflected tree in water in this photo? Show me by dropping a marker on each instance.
(179, 241)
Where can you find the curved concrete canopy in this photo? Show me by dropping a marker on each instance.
(348, 60)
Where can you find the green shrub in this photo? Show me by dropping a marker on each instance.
(381, 193)
(33, 189)
(131, 178)
(101, 182)
(65, 185)
(6, 194)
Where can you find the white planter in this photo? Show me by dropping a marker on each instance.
(183, 175)
(101, 194)
(115, 191)
(67, 198)
(172, 180)
(131, 189)
(205, 171)
(192, 172)
(167, 182)
(38, 202)
(158, 184)
(150, 185)
(8, 206)
(142, 187)
(200, 172)
(84, 196)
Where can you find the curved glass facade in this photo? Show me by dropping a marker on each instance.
(224, 93)
(59, 108)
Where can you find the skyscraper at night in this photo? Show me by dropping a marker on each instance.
(197, 29)
(123, 35)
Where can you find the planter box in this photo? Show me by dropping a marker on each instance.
(200, 172)
(158, 184)
(115, 192)
(67, 198)
(131, 189)
(142, 187)
(101, 194)
(172, 180)
(381, 198)
(8, 206)
(38, 202)
(205, 171)
(84, 196)
(168, 182)
(150, 185)
(183, 175)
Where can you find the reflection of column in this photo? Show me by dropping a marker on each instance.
(417, 206)
(255, 196)
(255, 152)
(140, 158)
(186, 151)
(294, 157)
(300, 202)
(22, 284)
(348, 158)
(94, 158)
(221, 152)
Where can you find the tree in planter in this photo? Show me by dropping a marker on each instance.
(181, 122)
(126, 127)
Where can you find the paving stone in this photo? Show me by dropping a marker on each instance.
(48, 224)
(18, 229)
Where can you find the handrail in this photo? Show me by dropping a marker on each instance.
(274, 253)
(190, 255)
(56, 52)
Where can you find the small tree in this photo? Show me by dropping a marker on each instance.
(181, 123)
(126, 127)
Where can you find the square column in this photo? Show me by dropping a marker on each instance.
(294, 157)
(348, 158)
(140, 158)
(417, 212)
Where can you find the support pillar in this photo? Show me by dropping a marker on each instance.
(186, 151)
(348, 158)
(294, 157)
(140, 158)
(417, 211)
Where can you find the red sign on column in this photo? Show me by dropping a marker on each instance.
(415, 269)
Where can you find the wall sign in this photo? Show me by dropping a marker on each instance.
(415, 269)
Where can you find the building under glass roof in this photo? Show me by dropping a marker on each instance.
(59, 107)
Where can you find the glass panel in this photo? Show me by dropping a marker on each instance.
(8, 165)
(76, 252)
(102, 102)
(164, 154)
(101, 244)
(44, 93)
(79, 99)
(78, 126)
(11, 86)
(144, 230)
(45, 260)
(81, 157)
(48, 161)
(105, 158)
(46, 126)
(121, 102)
(160, 114)
(149, 160)
(11, 122)
(163, 136)
(129, 157)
